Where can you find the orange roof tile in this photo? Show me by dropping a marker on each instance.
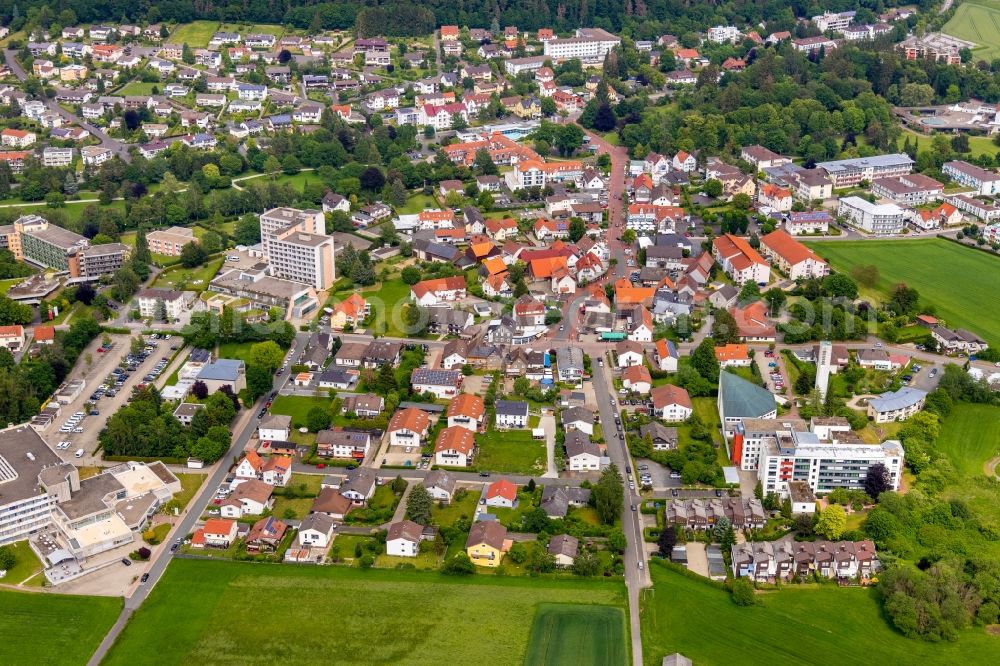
(455, 438)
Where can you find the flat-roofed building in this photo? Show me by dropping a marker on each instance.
(169, 242)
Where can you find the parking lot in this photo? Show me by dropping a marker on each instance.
(108, 386)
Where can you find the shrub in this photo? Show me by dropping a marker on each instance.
(743, 592)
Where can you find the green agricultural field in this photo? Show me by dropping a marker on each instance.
(53, 629)
(977, 21)
(814, 626)
(196, 34)
(298, 406)
(209, 612)
(970, 436)
(576, 635)
(956, 280)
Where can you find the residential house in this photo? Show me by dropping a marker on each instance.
(275, 426)
(316, 531)
(441, 485)
(896, 405)
(265, 535)
(792, 257)
(671, 403)
(454, 447)
(408, 427)
(502, 494)
(511, 414)
(582, 455)
(564, 548)
(403, 539)
(466, 410)
(486, 543)
(364, 405)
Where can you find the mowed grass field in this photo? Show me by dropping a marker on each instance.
(207, 613)
(575, 635)
(796, 625)
(53, 629)
(977, 21)
(970, 436)
(961, 283)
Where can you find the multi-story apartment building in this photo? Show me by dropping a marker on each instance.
(275, 220)
(850, 172)
(590, 45)
(792, 257)
(912, 189)
(44, 244)
(740, 261)
(826, 457)
(302, 257)
(57, 157)
(97, 260)
(169, 242)
(876, 219)
(985, 182)
(833, 21)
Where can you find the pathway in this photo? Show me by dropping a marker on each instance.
(400, 512)
(548, 424)
(990, 466)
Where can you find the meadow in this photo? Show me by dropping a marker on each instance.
(958, 281)
(53, 629)
(215, 612)
(970, 436)
(977, 21)
(806, 625)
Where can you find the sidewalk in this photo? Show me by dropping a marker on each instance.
(548, 424)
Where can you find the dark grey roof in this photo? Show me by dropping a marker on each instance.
(511, 407)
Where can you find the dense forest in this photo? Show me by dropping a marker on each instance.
(642, 19)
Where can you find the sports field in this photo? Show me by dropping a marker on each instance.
(801, 625)
(204, 612)
(977, 21)
(575, 635)
(959, 282)
(53, 629)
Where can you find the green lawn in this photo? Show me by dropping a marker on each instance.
(464, 506)
(190, 483)
(299, 507)
(978, 145)
(137, 88)
(814, 626)
(5, 285)
(53, 629)
(210, 612)
(957, 281)
(577, 635)
(970, 436)
(510, 452)
(196, 34)
(387, 301)
(194, 279)
(237, 350)
(26, 566)
(298, 406)
(977, 21)
(417, 203)
(253, 28)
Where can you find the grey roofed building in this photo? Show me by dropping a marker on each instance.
(511, 407)
(676, 659)
(435, 377)
(338, 375)
(225, 370)
(671, 238)
(556, 500)
(275, 422)
(569, 360)
(895, 400)
(578, 443)
(448, 320)
(472, 215)
(433, 251)
(739, 398)
(575, 414)
(361, 480)
(442, 479)
(317, 521)
(564, 544)
(660, 434)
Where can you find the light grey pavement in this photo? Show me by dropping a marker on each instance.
(548, 424)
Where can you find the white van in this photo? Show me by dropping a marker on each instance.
(79, 453)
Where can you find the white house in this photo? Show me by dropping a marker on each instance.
(671, 403)
(403, 539)
(275, 427)
(582, 455)
(316, 531)
(511, 414)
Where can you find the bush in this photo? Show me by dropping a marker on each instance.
(743, 592)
